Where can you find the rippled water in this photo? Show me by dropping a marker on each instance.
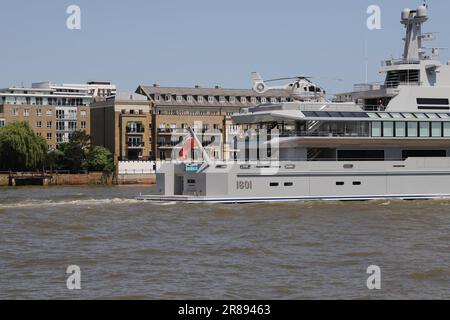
(133, 250)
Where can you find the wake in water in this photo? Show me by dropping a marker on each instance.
(34, 203)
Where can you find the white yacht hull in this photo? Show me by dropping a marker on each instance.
(414, 178)
(193, 199)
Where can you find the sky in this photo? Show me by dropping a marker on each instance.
(204, 42)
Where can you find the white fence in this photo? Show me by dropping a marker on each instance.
(136, 167)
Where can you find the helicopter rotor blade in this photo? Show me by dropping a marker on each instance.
(289, 78)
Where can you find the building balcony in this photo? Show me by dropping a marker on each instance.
(182, 131)
(135, 145)
(138, 130)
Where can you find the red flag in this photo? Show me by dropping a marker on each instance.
(188, 146)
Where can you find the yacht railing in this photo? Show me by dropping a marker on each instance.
(323, 134)
(361, 87)
(396, 62)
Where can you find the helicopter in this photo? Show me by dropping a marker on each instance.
(302, 89)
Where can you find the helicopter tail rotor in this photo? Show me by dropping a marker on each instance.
(258, 83)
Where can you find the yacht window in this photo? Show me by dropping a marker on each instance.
(432, 115)
(436, 129)
(356, 183)
(384, 115)
(274, 184)
(420, 115)
(400, 129)
(376, 129)
(409, 115)
(444, 115)
(373, 115)
(191, 181)
(337, 114)
(412, 129)
(397, 115)
(289, 166)
(424, 129)
(340, 183)
(360, 114)
(288, 184)
(446, 129)
(388, 129)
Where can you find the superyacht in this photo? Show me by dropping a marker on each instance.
(380, 141)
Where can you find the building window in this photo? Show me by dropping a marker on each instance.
(39, 112)
(49, 136)
(59, 138)
(15, 111)
(2, 123)
(48, 113)
(83, 113)
(49, 124)
(263, 100)
(190, 99)
(26, 112)
(243, 100)
(60, 114)
(283, 99)
(211, 99)
(38, 124)
(72, 125)
(274, 100)
(222, 99)
(157, 98)
(230, 113)
(168, 98)
(253, 100)
(179, 99)
(200, 99)
(233, 99)
(83, 124)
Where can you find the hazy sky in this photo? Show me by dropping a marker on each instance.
(206, 42)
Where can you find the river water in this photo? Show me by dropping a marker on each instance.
(133, 250)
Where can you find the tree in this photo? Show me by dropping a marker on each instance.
(81, 139)
(99, 159)
(55, 160)
(75, 151)
(20, 148)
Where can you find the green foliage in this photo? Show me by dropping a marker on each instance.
(20, 148)
(99, 159)
(23, 150)
(55, 160)
(75, 151)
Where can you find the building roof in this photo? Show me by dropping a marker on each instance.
(149, 90)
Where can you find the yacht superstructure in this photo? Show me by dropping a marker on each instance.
(389, 140)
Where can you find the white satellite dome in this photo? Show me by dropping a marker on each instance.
(405, 13)
(422, 11)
